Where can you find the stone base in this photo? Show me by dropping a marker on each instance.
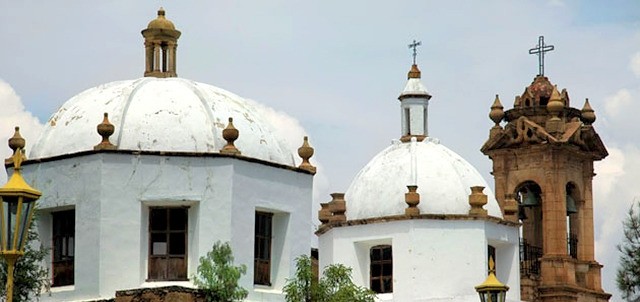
(160, 294)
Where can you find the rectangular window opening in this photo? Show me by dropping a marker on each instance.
(262, 248)
(168, 243)
(63, 229)
(381, 269)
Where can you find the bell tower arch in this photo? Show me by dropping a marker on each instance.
(543, 161)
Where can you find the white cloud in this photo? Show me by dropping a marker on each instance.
(615, 104)
(615, 188)
(635, 63)
(14, 114)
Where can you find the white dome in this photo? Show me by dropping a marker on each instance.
(443, 178)
(160, 114)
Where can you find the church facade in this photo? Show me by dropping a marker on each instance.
(140, 177)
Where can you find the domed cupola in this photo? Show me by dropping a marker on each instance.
(414, 101)
(161, 112)
(441, 178)
(161, 44)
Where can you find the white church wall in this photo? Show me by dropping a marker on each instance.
(432, 259)
(288, 196)
(61, 188)
(112, 194)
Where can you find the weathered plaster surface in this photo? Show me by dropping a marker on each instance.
(160, 114)
(112, 192)
(443, 178)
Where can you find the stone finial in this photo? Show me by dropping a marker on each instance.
(105, 129)
(477, 200)
(324, 215)
(588, 115)
(414, 72)
(16, 142)
(338, 207)
(555, 104)
(497, 113)
(554, 124)
(412, 198)
(306, 152)
(230, 134)
(510, 207)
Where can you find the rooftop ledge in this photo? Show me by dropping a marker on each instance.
(163, 153)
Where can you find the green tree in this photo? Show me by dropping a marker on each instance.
(218, 277)
(334, 286)
(30, 277)
(628, 274)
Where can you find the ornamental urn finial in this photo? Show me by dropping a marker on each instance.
(306, 152)
(497, 113)
(105, 129)
(588, 115)
(412, 198)
(477, 200)
(230, 134)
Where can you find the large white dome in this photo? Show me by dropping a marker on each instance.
(443, 178)
(160, 114)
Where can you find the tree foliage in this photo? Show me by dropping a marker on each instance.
(218, 277)
(334, 286)
(30, 277)
(628, 274)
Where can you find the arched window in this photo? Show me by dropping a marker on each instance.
(381, 269)
(572, 219)
(529, 197)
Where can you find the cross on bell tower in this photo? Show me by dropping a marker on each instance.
(543, 152)
(539, 50)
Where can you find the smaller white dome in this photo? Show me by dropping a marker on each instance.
(444, 181)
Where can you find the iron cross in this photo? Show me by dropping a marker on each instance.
(415, 45)
(540, 50)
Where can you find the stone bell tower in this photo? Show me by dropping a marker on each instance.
(161, 44)
(543, 169)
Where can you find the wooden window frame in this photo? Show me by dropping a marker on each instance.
(378, 264)
(63, 247)
(262, 257)
(181, 272)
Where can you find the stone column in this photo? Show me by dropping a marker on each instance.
(156, 56)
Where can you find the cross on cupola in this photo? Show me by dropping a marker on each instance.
(414, 103)
(539, 50)
(415, 45)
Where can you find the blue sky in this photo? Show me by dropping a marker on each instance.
(337, 68)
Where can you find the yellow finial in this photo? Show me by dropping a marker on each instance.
(17, 159)
(161, 12)
(16, 184)
(491, 283)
